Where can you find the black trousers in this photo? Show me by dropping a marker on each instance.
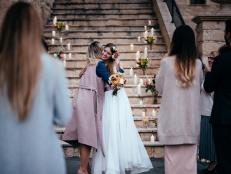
(222, 141)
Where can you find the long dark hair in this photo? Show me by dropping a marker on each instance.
(183, 47)
(110, 62)
(20, 51)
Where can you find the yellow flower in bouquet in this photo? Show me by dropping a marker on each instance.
(117, 81)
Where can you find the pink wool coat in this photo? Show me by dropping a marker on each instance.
(85, 125)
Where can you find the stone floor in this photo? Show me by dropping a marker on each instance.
(73, 163)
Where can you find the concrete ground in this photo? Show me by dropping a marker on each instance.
(73, 163)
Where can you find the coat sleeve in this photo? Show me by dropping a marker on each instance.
(62, 101)
(160, 77)
(212, 78)
(102, 71)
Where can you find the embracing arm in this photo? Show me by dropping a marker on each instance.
(102, 71)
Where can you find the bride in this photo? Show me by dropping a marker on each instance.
(123, 148)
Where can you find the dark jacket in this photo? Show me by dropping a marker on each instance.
(219, 82)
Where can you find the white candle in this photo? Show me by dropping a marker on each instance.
(52, 41)
(152, 139)
(154, 113)
(141, 102)
(138, 38)
(69, 46)
(145, 35)
(135, 79)
(53, 33)
(132, 47)
(143, 114)
(145, 52)
(64, 62)
(141, 82)
(69, 55)
(145, 28)
(54, 20)
(61, 40)
(66, 27)
(149, 81)
(131, 72)
(139, 89)
(152, 32)
(137, 56)
(149, 22)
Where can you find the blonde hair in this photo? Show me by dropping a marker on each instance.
(94, 53)
(20, 51)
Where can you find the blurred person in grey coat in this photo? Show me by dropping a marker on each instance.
(33, 97)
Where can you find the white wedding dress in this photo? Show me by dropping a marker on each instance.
(123, 147)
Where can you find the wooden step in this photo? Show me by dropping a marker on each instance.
(123, 55)
(94, 33)
(145, 133)
(121, 48)
(104, 22)
(74, 62)
(154, 150)
(104, 6)
(124, 27)
(67, 2)
(100, 12)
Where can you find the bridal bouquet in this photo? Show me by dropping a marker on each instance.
(117, 81)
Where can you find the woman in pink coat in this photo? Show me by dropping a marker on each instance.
(85, 125)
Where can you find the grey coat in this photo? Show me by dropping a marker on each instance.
(32, 146)
(179, 120)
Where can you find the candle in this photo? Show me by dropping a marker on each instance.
(64, 62)
(54, 20)
(69, 46)
(66, 27)
(145, 35)
(135, 79)
(149, 81)
(154, 113)
(141, 82)
(137, 56)
(138, 38)
(152, 139)
(141, 102)
(139, 89)
(69, 56)
(152, 32)
(64, 56)
(131, 72)
(149, 22)
(61, 40)
(132, 47)
(145, 52)
(143, 114)
(52, 41)
(53, 33)
(145, 28)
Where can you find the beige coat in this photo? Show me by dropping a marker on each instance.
(179, 119)
(85, 125)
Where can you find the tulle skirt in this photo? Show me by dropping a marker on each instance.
(123, 147)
